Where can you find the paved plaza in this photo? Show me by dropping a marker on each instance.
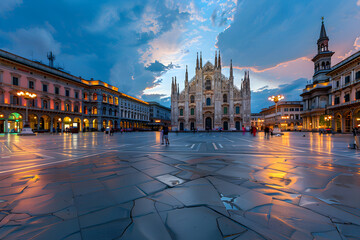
(202, 186)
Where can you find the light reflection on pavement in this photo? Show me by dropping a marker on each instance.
(96, 186)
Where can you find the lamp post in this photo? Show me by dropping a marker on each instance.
(26, 130)
(276, 99)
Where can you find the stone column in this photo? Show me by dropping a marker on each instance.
(6, 126)
(51, 124)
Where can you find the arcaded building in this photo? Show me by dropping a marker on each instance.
(210, 100)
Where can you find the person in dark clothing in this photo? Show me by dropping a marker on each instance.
(267, 131)
(166, 134)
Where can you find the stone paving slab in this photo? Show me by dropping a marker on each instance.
(116, 194)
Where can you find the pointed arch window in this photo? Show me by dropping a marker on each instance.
(237, 110)
(225, 98)
(192, 99)
(192, 111)
(208, 84)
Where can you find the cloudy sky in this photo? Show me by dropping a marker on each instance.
(139, 45)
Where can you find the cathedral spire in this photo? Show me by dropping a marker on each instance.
(197, 60)
(215, 59)
(200, 59)
(219, 64)
(186, 76)
(323, 41)
(231, 69)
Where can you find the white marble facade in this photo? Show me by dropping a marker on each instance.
(210, 100)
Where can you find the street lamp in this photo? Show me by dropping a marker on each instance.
(26, 130)
(276, 99)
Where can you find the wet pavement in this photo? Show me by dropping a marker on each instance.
(201, 186)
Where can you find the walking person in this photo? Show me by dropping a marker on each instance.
(162, 136)
(166, 134)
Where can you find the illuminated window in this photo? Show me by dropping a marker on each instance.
(94, 96)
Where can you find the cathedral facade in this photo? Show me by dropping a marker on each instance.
(210, 101)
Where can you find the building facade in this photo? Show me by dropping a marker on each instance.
(62, 100)
(209, 100)
(317, 94)
(257, 120)
(344, 111)
(286, 117)
(159, 115)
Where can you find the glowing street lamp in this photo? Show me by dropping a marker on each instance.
(276, 99)
(26, 128)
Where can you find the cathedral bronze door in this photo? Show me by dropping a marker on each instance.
(208, 125)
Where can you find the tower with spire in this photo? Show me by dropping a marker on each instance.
(322, 60)
(316, 97)
(210, 100)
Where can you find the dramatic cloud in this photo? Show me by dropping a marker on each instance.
(282, 31)
(291, 91)
(8, 5)
(159, 67)
(35, 42)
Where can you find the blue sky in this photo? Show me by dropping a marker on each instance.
(139, 45)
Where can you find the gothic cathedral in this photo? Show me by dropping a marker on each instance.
(210, 100)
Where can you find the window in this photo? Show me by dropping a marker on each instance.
(94, 96)
(67, 107)
(57, 106)
(110, 112)
(67, 92)
(192, 99)
(31, 84)
(337, 100)
(85, 95)
(76, 108)
(45, 104)
(192, 111)
(32, 103)
(225, 98)
(94, 110)
(301, 109)
(76, 95)
(208, 84)
(85, 110)
(57, 90)
(116, 101)
(104, 98)
(15, 100)
(15, 81)
(208, 102)
(104, 111)
(237, 110)
(115, 112)
(347, 80)
(291, 109)
(181, 112)
(296, 109)
(225, 110)
(45, 87)
(337, 84)
(357, 75)
(347, 97)
(111, 101)
(286, 109)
